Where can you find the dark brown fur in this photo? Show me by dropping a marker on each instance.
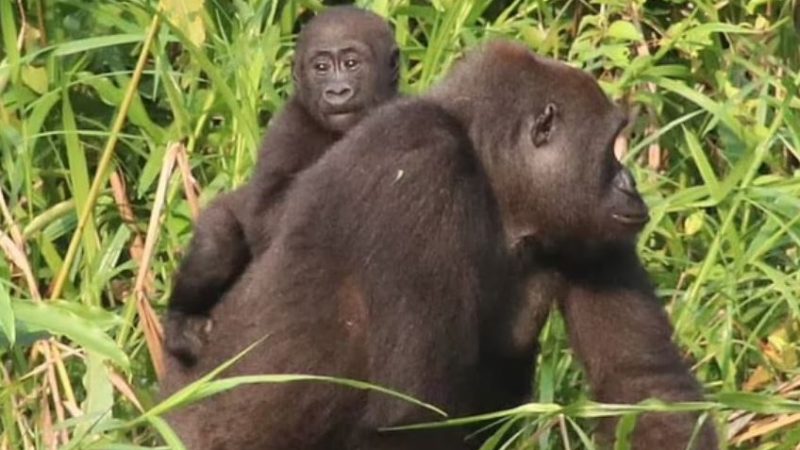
(621, 334)
(422, 253)
(240, 225)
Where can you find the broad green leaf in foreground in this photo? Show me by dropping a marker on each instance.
(60, 321)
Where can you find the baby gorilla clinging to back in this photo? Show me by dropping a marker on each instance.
(346, 63)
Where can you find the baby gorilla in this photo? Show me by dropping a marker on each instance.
(346, 63)
(425, 267)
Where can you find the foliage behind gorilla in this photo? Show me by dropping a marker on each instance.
(346, 63)
(422, 252)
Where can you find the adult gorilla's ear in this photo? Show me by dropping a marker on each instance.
(544, 125)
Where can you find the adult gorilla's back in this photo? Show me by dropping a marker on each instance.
(375, 275)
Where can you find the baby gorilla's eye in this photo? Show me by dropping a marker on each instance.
(351, 63)
(321, 67)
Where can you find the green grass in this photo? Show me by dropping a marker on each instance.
(86, 134)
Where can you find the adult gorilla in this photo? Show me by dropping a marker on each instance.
(420, 253)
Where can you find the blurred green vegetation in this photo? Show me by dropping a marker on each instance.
(86, 136)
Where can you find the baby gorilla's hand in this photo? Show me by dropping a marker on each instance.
(186, 335)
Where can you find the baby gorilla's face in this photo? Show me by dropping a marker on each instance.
(345, 68)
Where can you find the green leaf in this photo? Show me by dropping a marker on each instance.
(9, 31)
(718, 110)
(39, 113)
(624, 30)
(694, 223)
(107, 265)
(624, 432)
(496, 440)
(217, 386)
(111, 94)
(7, 315)
(101, 318)
(764, 404)
(380, 7)
(59, 321)
(187, 15)
(206, 386)
(151, 170)
(703, 165)
(166, 432)
(93, 43)
(35, 78)
(78, 174)
(99, 394)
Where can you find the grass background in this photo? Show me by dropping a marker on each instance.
(118, 120)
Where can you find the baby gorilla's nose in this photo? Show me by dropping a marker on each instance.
(337, 94)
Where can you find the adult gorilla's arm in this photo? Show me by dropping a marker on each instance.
(621, 334)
